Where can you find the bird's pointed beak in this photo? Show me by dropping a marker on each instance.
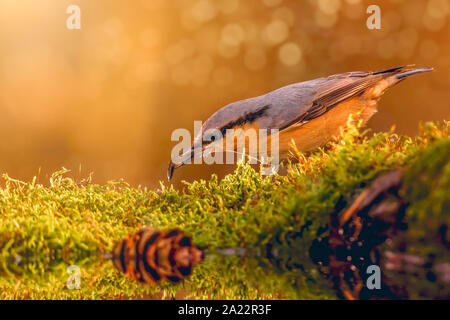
(170, 170)
(185, 158)
(172, 167)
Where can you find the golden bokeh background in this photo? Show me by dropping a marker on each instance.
(106, 98)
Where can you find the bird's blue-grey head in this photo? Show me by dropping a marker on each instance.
(215, 128)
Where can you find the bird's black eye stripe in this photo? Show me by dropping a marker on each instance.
(247, 118)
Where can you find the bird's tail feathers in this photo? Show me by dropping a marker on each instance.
(411, 72)
(394, 70)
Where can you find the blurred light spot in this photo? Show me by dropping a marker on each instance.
(438, 8)
(290, 54)
(335, 51)
(429, 49)
(251, 31)
(413, 12)
(255, 59)
(181, 75)
(353, 1)
(204, 10)
(285, 14)
(272, 3)
(232, 34)
(409, 35)
(146, 71)
(393, 20)
(149, 38)
(325, 20)
(203, 65)
(223, 76)
(433, 24)
(387, 48)
(188, 21)
(228, 6)
(112, 43)
(152, 4)
(113, 26)
(406, 42)
(200, 79)
(354, 11)
(350, 45)
(329, 7)
(179, 51)
(227, 51)
(276, 32)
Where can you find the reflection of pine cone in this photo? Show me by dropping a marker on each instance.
(151, 256)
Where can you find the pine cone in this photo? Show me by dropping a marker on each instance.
(151, 256)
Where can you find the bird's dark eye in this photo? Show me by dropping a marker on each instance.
(211, 136)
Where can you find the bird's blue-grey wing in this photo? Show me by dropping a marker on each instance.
(304, 101)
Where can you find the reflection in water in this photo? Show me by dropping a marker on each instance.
(279, 268)
(152, 256)
(282, 267)
(286, 266)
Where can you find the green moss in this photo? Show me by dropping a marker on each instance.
(425, 243)
(43, 229)
(427, 185)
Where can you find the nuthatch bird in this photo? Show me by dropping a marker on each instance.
(310, 113)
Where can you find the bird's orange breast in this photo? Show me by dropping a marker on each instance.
(315, 133)
(319, 131)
